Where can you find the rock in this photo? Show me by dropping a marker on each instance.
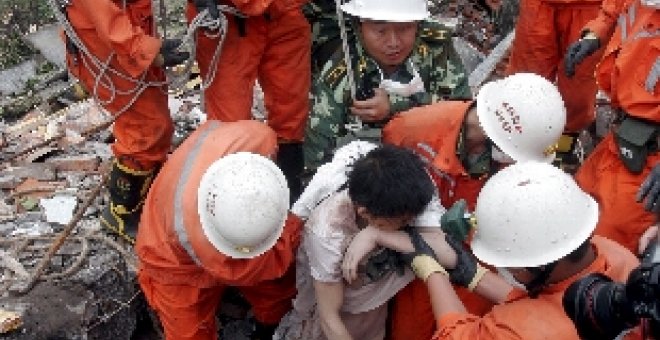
(9, 321)
(78, 163)
(15, 79)
(36, 171)
(47, 40)
(59, 209)
(38, 228)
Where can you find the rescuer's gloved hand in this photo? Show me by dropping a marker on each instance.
(422, 261)
(168, 55)
(578, 51)
(468, 272)
(211, 5)
(650, 191)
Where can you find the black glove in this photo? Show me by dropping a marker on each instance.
(170, 55)
(466, 265)
(211, 5)
(650, 190)
(422, 261)
(577, 52)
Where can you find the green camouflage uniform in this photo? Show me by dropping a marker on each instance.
(433, 57)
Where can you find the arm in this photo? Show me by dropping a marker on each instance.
(443, 297)
(135, 49)
(455, 323)
(603, 25)
(326, 119)
(370, 237)
(494, 288)
(400, 241)
(330, 297)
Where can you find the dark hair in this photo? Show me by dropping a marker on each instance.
(390, 181)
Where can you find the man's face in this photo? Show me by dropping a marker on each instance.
(389, 43)
(475, 135)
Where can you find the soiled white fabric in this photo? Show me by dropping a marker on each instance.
(327, 234)
(330, 177)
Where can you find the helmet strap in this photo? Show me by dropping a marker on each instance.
(540, 280)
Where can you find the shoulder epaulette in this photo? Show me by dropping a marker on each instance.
(334, 75)
(434, 32)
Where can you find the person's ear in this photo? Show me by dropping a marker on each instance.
(362, 212)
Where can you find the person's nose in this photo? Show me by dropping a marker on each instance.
(393, 40)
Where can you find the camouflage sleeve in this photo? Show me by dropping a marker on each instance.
(449, 79)
(326, 118)
(400, 103)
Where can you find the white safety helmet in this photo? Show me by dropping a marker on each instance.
(243, 201)
(524, 115)
(530, 214)
(388, 10)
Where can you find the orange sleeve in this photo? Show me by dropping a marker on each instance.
(135, 50)
(603, 25)
(268, 266)
(252, 7)
(460, 326)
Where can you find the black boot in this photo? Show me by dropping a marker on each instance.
(128, 189)
(290, 161)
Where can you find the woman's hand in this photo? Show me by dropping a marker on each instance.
(362, 244)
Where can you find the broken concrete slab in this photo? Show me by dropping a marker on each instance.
(40, 154)
(100, 149)
(14, 79)
(80, 163)
(48, 42)
(59, 209)
(37, 171)
(38, 228)
(36, 189)
(7, 211)
(7, 181)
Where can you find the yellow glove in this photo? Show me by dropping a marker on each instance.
(424, 265)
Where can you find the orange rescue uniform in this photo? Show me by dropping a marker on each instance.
(629, 74)
(521, 317)
(544, 30)
(433, 131)
(181, 272)
(125, 37)
(272, 45)
(603, 25)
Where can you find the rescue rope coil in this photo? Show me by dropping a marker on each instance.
(102, 69)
